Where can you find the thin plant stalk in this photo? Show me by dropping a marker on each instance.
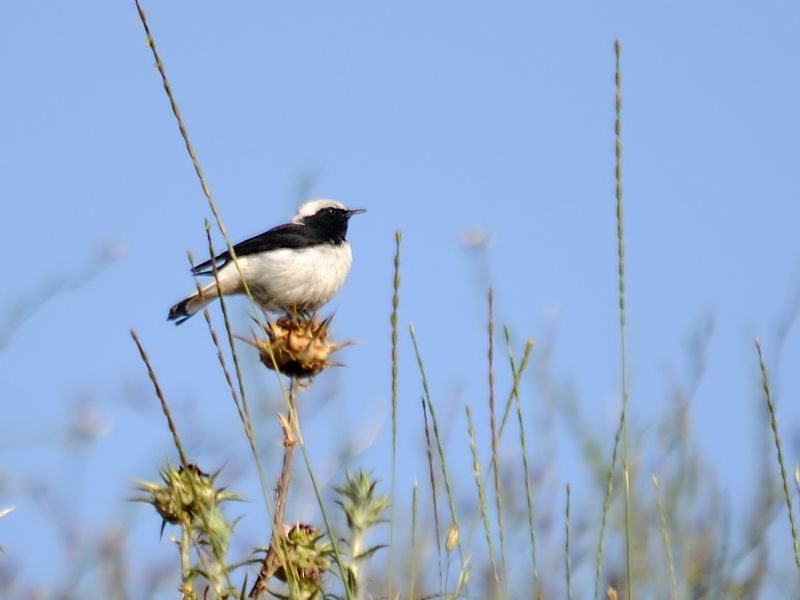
(773, 423)
(164, 406)
(394, 360)
(337, 557)
(566, 549)
(523, 446)
(206, 190)
(517, 376)
(436, 525)
(622, 430)
(275, 555)
(245, 409)
(240, 400)
(179, 447)
(190, 150)
(621, 270)
(184, 545)
(797, 479)
(662, 519)
(498, 495)
(412, 568)
(437, 437)
(476, 469)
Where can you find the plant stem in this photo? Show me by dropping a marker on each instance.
(186, 566)
(274, 557)
(773, 423)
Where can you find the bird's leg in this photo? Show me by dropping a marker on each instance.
(300, 314)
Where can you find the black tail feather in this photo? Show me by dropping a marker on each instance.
(180, 312)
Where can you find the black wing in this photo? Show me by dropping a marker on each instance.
(290, 235)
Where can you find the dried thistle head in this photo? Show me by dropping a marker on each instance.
(300, 346)
(307, 559)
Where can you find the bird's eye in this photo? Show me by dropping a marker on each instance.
(331, 211)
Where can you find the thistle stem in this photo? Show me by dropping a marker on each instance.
(274, 557)
(186, 566)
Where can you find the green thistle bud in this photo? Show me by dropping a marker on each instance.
(307, 557)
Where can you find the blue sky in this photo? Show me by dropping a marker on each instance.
(439, 118)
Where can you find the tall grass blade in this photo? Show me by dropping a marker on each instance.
(412, 566)
(431, 473)
(773, 423)
(398, 236)
(476, 468)
(662, 519)
(193, 157)
(498, 495)
(566, 549)
(244, 409)
(524, 449)
(622, 430)
(438, 439)
(164, 406)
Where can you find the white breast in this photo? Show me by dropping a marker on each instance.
(304, 278)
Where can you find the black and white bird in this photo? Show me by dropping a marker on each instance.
(298, 266)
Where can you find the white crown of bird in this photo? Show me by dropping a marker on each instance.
(312, 207)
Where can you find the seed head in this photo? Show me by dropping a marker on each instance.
(300, 346)
(307, 557)
(186, 493)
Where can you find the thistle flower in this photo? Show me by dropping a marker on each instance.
(187, 493)
(306, 558)
(187, 497)
(300, 346)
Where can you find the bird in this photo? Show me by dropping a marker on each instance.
(295, 267)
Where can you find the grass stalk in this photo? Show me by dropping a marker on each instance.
(190, 150)
(412, 567)
(164, 406)
(242, 405)
(438, 439)
(394, 360)
(184, 545)
(218, 554)
(524, 449)
(662, 519)
(325, 519)
(621, 270)
(516, 375)
(431, 472)
(476, 469)
(773, 423)
(622, 430)
(568, 560)
(796, 480)
(206, 190)
(513, 393)
(498, 495)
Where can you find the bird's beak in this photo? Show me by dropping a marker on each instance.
(355, 211)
